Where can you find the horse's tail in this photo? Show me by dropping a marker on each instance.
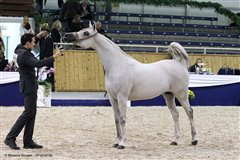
(179, 53)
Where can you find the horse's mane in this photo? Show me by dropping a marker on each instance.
(118, 48)
(179, 53)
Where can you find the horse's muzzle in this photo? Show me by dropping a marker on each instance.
(69, 37)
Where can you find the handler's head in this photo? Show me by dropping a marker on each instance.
(28, 40)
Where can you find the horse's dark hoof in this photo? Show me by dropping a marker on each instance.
(174, 143)
(120, 147)
(194, 142)
(115, 145)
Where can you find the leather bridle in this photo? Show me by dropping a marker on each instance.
(78, 39)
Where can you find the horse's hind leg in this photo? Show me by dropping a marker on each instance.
(114, 104)
(170, 100)
(183, 99)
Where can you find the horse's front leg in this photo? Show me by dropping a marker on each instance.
(114, 104)
(122, 104)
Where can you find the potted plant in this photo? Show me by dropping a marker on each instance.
(44, 87)
(191, 95)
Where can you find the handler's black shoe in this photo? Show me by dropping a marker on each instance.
(12, 144)
(32, 145)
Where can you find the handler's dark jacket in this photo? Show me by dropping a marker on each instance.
(27, 63)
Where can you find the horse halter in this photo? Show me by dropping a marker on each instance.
(85, 33)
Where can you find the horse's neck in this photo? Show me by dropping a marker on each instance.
(111, 55)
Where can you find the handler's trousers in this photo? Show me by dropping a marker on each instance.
(27, 119)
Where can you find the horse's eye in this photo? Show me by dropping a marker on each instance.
(86, 33)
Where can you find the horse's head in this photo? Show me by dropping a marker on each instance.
(82, 38)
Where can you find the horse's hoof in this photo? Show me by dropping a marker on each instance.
(174, 143)
(194, 142)
(115, 145)
(120, 147)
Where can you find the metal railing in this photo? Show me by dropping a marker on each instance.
(157, 49)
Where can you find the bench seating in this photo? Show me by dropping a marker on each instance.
(164, 24)
(153, 42)
(170, 17)
(112, 31)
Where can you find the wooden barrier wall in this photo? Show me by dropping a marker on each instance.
(82, 70)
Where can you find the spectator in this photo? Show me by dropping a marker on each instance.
(102, 31)
(3, 62)
(60, 4)
(45, 43)
(70, 9)
(76, 24)
(86, 10)
(2, 46)
(0, 32)
(197, 66)
(46, 49)
(25, 26)
(56, 31)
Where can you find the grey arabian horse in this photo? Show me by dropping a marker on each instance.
(128, 79)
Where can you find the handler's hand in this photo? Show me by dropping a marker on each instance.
(42, 34)
(58, 53)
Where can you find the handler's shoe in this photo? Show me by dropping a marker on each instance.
(12, 144)
(32, 145)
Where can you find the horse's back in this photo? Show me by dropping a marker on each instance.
(167, 67)
(152, 79)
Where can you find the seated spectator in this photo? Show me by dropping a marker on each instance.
(86, 10)
(3, 62)
(25, 26)
(197, 66)
(76, 24)
(70, 9)
(56, 31)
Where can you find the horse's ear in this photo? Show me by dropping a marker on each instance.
(94, 25)
(90, 24)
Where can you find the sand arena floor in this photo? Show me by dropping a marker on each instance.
(89, 132)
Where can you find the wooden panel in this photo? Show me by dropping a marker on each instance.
(15, 2)
(14, 13)
(82, 70)
(16, 7)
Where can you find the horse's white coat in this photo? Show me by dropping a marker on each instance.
(127, 79)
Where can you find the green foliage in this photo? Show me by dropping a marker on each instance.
(47, 85)
(191, 95)
(218, 7)
(38, 18)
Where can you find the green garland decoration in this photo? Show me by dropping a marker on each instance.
(218, 7)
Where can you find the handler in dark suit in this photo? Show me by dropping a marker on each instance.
(28, 87)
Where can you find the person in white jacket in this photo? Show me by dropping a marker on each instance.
(26, 26)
